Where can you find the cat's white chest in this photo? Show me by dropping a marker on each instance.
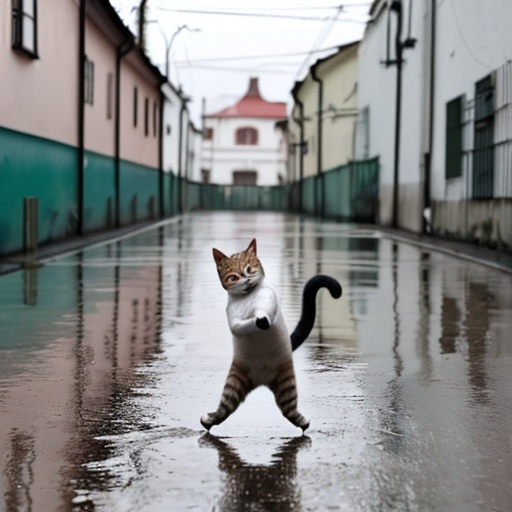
(261, 350)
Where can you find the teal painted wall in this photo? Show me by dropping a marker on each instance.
(33, 166)
(138, 193)
(99, 192)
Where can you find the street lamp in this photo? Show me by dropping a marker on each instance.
(169, 45)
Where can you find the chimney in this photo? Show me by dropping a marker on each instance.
(254, 89)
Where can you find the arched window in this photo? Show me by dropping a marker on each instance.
(247, 136)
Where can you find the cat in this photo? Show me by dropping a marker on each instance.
(262, 354)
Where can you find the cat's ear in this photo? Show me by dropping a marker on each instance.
(252, 246)
(218, 256)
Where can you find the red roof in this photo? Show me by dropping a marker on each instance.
(253, 105)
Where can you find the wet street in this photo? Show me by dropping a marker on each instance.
(109, 357)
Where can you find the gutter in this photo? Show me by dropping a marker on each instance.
(319, 193)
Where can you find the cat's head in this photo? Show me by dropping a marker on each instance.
(240, 273)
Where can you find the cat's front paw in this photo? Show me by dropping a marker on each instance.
(262, 323)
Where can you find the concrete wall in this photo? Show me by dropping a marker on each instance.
(137, 146)
(99, 128)
(35, 99)
(377, 93)
(339, 77)
(171, 127)
(471, 42)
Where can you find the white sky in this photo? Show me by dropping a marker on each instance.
(195, 64)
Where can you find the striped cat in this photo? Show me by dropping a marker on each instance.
(263, 348)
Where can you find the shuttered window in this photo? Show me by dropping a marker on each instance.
(483, 152)
(247, 136)
(453, 154)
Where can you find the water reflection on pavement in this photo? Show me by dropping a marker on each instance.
(109, 357)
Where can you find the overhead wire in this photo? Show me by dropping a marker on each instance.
(238, 13)
(264, 56)
(319, 40)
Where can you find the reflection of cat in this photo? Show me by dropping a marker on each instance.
(262, 346)
(271, 487)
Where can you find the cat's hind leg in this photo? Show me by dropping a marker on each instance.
(237, 386)
(284, 388)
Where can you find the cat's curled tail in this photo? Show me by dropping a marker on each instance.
(307, 318)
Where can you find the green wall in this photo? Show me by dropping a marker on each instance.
(37, 167)
(138, 193)
(99, 191)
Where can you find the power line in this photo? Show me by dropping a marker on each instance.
(256, 15)
(316, 7)
(267, 56)
(319, 40)
(236, 70)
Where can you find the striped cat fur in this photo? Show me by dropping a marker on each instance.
(262, 346)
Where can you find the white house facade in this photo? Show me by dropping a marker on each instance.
(445, 167)
(242, 144)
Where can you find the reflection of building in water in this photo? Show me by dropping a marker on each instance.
(19, 471)
(67, 367)
(327, 248)
(269, 487)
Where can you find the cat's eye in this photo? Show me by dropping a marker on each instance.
(249, 269)
(231, 278)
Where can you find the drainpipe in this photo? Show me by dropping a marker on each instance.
(397, 7)
(302, 144)
(160, 136)
(81, 118)
(400, 46)
(180, 153)
(428, 166)
(319, 194)
(122, 50)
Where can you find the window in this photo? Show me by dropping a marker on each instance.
(24, 26)
(110, 89)
(245, 177)
(453, 142)
(89, 81)
(205, 175)
(483, 151)
(155, 118)
(247, 136)
(208, 134)
(135, 105)
(146, 117)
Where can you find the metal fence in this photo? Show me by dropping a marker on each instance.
(346, 193)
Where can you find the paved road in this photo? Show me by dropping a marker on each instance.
(108, 358)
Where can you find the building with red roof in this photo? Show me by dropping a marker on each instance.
(244, 143)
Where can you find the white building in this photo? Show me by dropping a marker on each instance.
(455, 137)
(242, 143)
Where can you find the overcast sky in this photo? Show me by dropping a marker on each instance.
(231, 41)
